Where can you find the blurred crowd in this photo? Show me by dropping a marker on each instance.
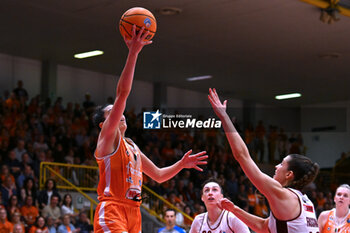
(33, 131)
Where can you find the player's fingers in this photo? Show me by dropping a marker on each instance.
(125, 40)
(140, 32)
(133, 30)
(148, 42)
(202, 162)
(145, 35)
(202, 157)
(211, 100)
(200, 153)
(198, 168)
(188, 152)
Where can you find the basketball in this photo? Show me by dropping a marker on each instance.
(141, 17)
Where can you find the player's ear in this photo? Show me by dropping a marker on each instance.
(290, 175)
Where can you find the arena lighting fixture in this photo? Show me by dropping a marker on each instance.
(287, 96)
(199, 78)
(88, 54)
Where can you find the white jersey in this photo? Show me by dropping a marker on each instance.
(227, 222)
(306, 222)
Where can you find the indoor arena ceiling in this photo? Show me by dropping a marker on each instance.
(254, 49)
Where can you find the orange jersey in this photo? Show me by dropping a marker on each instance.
(331, 227)
(30, 213)
(120, 174)
(6, 227)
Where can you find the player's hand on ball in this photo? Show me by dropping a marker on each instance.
(137, 41)
(192, 161)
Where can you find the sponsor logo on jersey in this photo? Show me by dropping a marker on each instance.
(131, 193)
(308, 208)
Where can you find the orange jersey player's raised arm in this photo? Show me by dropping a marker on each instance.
(120, 161)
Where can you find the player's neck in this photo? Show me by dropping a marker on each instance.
(170, 227)
(341, 212)
(213, 214)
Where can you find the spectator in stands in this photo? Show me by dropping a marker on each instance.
(282, 144)
(179, 218)
(66, 226)
(67, 206)
(88, 104)
(13, 164)
(5, 172)
(261, 209)
(13, 206)
(170, 227)
(29, 211)
(16, 220)
(5, 225)
(20, 150)
(252, 199)
(1, 202)
(242, 197)
(40, 224)
(259, 140)
(45, 195)
(83, 224)
(7, 189)
(12, 102)
(188, 222)
(168, 152)
(17, 228)
(29, 189)
(52, 209)
(249, 139)
(20, 92)
(40, 156)
(40, 144)
(232, 186)
(272, 143)
(51, 225)
(321, 200)
(27, 173)
(329, 201)
(191, 193)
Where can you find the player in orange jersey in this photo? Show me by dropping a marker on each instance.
(120, 161)
(337, 219)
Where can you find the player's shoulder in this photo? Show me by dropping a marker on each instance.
(324, 214)
(179, 229)
(235, 223)
(131, 142)
(200, 217)
(161, 229)
(231, 215)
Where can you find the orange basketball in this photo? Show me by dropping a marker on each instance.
(141, 17)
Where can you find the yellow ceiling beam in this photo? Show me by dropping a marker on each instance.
(325, 4)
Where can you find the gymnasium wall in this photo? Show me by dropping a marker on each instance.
(325, 127)
(14, 68)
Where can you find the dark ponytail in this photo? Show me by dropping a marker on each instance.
(305, 171)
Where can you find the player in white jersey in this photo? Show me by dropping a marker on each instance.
(297, 225)
(216, 220)
(290, 211)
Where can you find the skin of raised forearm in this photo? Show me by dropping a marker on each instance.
(256, 223)
(236, 143)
